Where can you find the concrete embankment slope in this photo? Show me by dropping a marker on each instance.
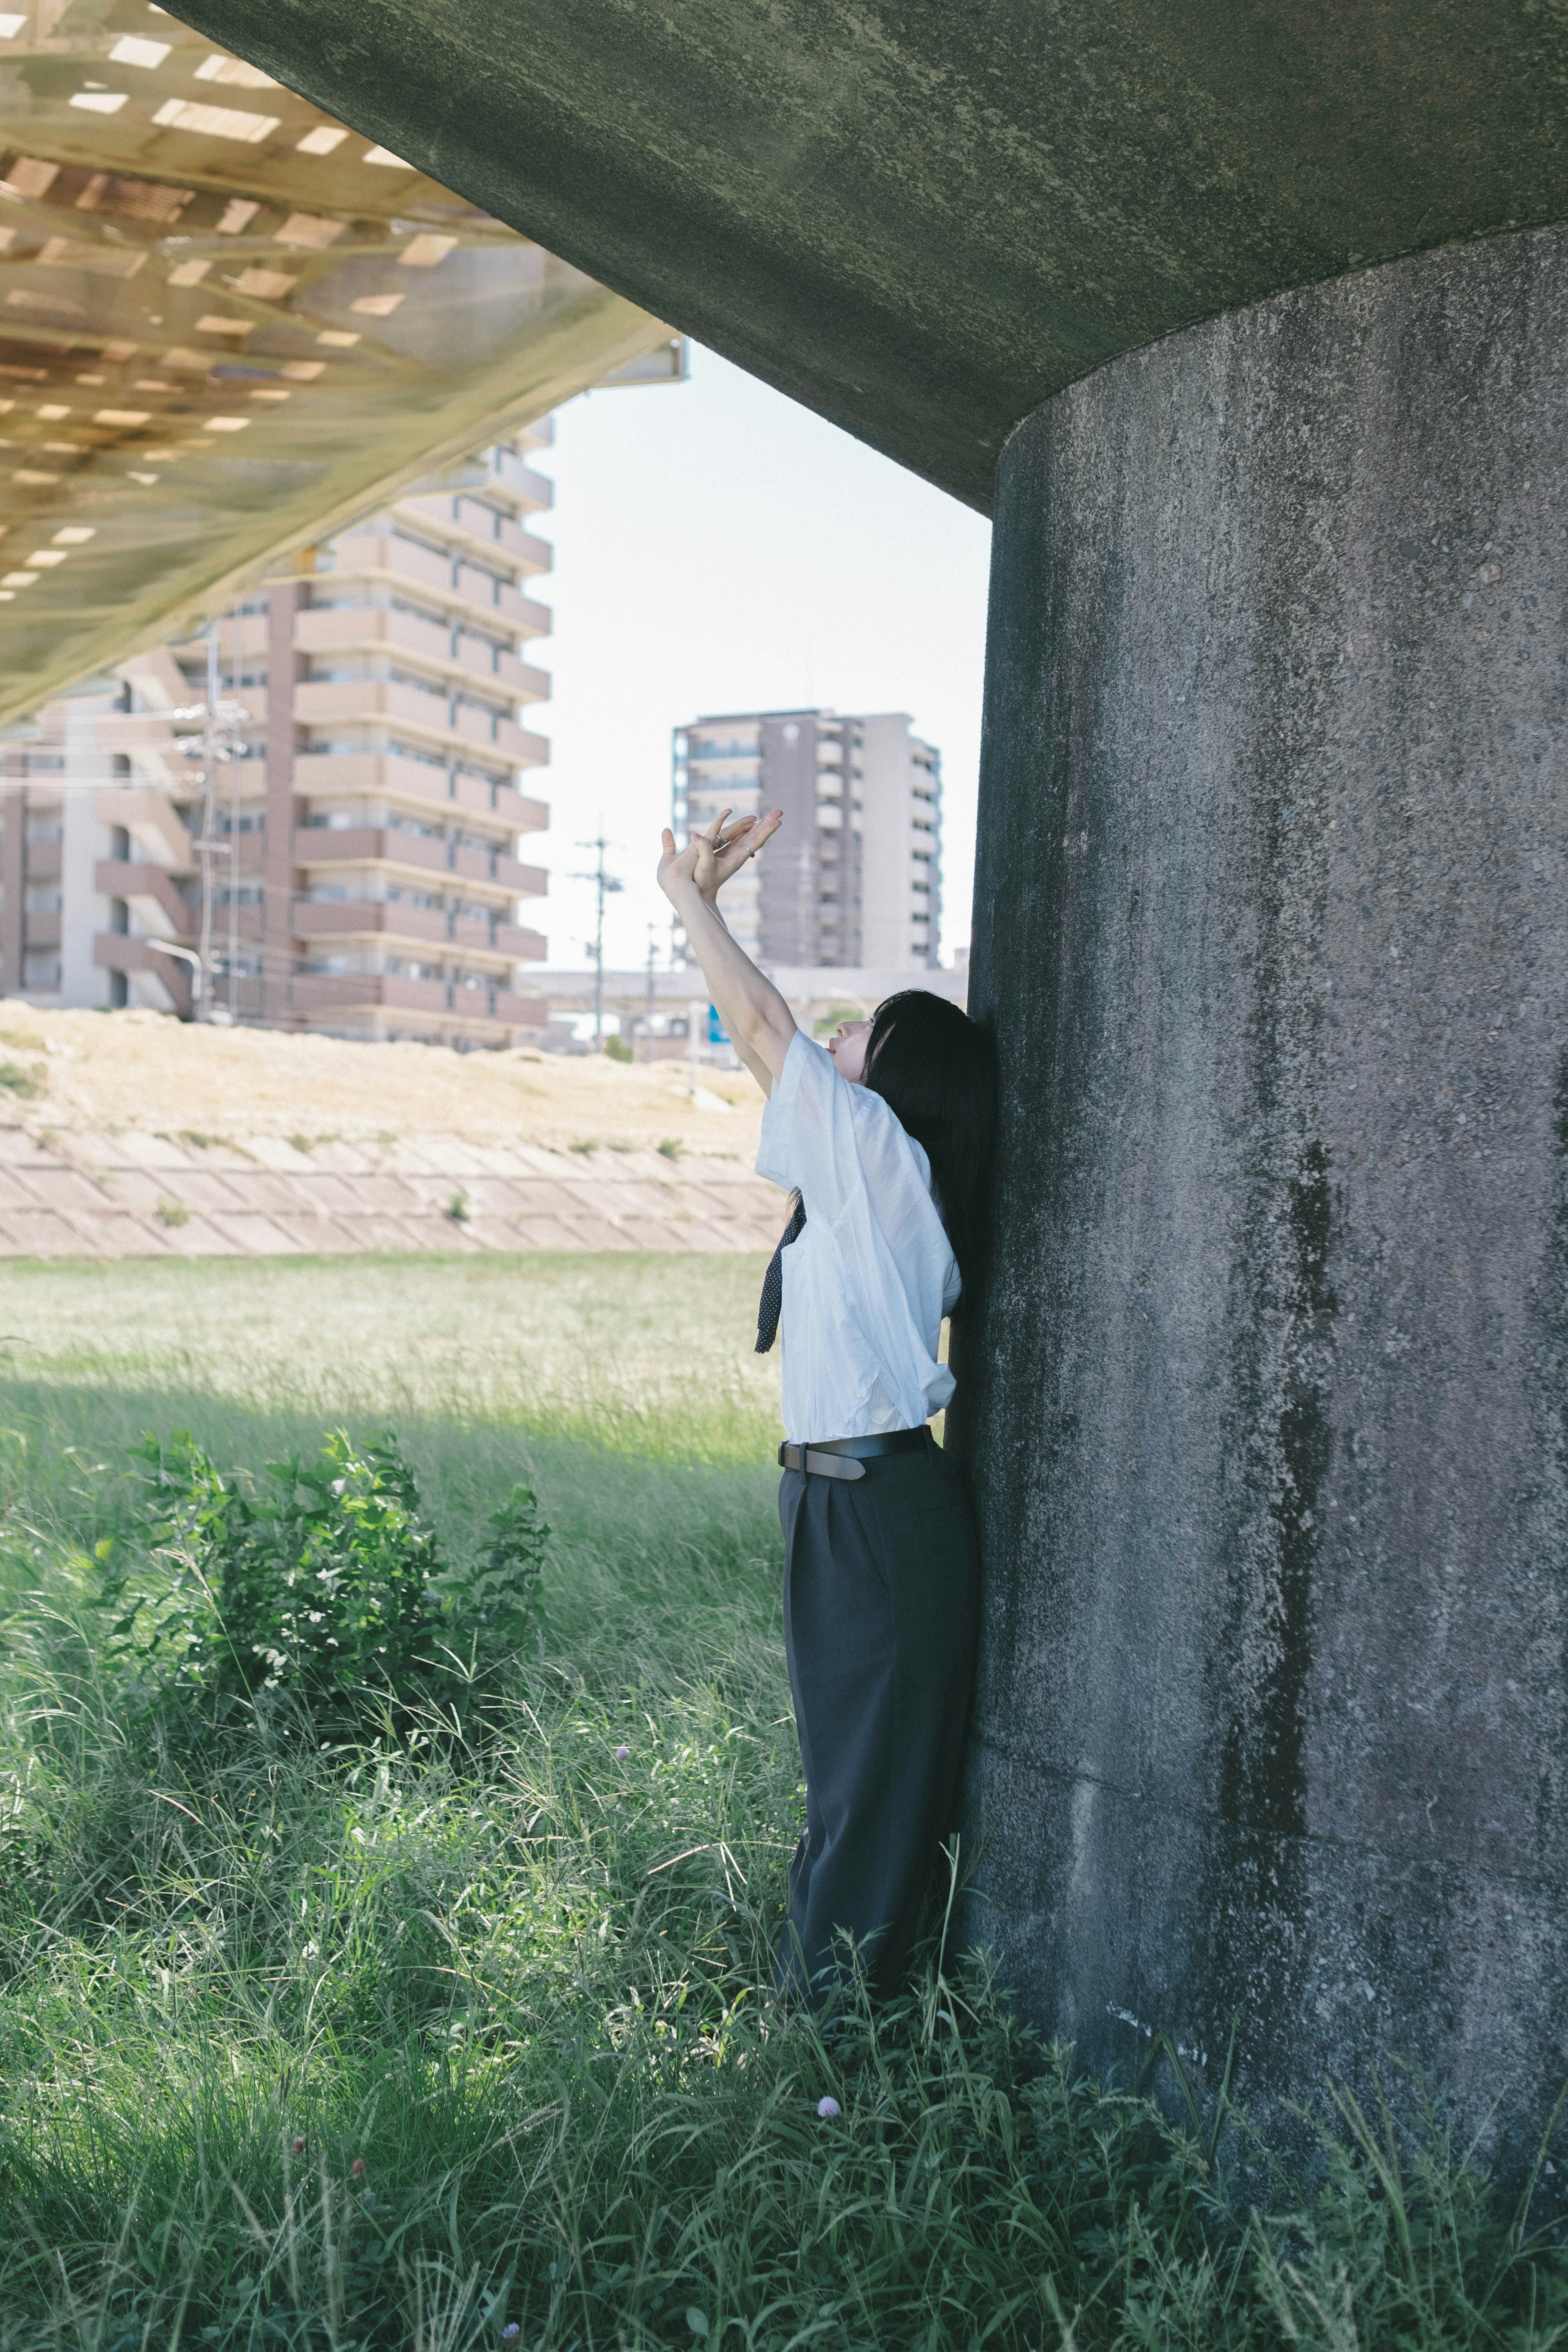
(130, 1135)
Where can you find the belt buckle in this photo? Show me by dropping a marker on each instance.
(813, 1464)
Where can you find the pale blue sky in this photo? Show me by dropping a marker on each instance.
(719, 547)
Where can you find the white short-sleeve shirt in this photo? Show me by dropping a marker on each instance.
(866, 1284)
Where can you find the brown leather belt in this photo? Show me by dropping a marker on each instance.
(846, 1458)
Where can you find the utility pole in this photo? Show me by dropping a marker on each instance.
(648, 1023)
(222, 739)
(604, 883)
(236, 662)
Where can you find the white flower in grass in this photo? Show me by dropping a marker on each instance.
(828, 2107)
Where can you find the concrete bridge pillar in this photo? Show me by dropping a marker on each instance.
(1268, 1405)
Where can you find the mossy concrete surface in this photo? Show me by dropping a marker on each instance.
(1269, 1394)
(924, 218)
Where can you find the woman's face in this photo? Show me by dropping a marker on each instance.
(848, 1046)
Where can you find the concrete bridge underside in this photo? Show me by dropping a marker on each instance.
(1250, 323)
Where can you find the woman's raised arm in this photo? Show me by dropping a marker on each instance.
(759, 1023)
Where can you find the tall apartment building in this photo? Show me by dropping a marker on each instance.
(364, 875)
(855, 875)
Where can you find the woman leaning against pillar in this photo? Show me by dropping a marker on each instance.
(885, 1139)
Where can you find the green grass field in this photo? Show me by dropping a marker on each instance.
(457, 2034)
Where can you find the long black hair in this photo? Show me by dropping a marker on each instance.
(936, 1069)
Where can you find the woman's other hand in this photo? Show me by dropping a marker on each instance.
(708, 859)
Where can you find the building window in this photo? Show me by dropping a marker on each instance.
(41, 970)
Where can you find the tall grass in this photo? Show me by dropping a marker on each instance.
(468, 2028)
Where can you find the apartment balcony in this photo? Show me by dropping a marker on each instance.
(383, 773)
(526, 617)
(440, 1000)
(316, 918)
(514, 480)
(44, 861)
(399, 563)
(321, 631)
(473, 532)
(529, 492)
(339, 919)
(472, 795)
(339, 991)
(521, 1009)
(147, 736)
(363, 628)
(149, 818)
(434, 714)
(415, 853)
(521, 881)
(529, 553)
(242, 641)
(517, 677)
(378, 555)
(134, 731)
(41, 931)
(518, 744)
(121, 951)
(148, 892)
(516, 940)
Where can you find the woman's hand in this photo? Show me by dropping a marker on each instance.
(755, 1016)
(708, 859)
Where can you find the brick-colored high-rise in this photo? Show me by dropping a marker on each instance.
(365, 877)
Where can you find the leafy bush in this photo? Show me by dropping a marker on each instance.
(617, 1050)
(326, 1583)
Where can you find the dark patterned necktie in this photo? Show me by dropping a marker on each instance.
(772, 1299)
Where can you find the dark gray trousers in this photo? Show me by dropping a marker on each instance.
(881, 1606)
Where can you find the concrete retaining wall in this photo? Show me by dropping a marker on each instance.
(133, 1194)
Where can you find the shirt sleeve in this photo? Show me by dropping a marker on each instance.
(808, 1139)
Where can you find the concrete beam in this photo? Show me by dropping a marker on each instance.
(924, 220)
